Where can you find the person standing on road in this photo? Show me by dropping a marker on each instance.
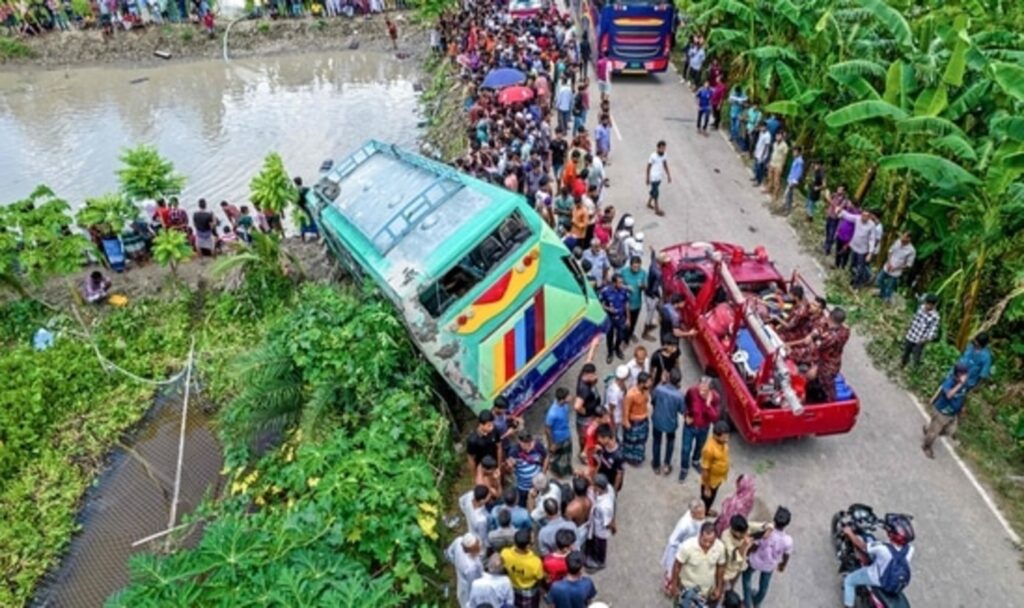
(652, 293)
(901, 258)
(867, 237)
(738, 541)
(776, 163)
(703, 96)
(636, 420)
(556, 431)
(762, 152)
(714, 464)
(635, 278)
(796, 175)
(555, 567)
(924, 328)
(464, 554)
(615, 300)
(699, 568)
(575, 590)
(948, 403)
(493, 587)
(737, 101)
(604, 76)
(701, 410)
(657, 170)
(602, 523)
(600, 265)
(667, 404)
(615, 394)
(563, 104)
(718, 91)
(752, 120)
(484, 440)
(695, 61)
(578, 509)
(687, 527)
(978, 359)
(527, 458)
(525, 571)
(587, 401)
(739, 503)
(816, 189)
(837, 202)
(608, 459)
(771, 555)
(603, 137)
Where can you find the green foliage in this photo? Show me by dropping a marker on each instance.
(187, 35)
(12, 48)
(146, 175)
(430, 10)
(267, 268)
(347, 516)
(109, 212)
(271, 188)
(170, 247)
(60, 413)
(263, 27)
(81, 7)
(46, 247)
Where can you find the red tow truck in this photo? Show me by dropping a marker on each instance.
(728, 296)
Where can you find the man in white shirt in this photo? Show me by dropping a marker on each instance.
(464, 555)
(563, 103)
(762, 153)
(473, 506)
(614, 395)
(657, 170)
(867, 237)
(493, 587)
(602, 522)
(901, 257)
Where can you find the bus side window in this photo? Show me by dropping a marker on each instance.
(577, 273)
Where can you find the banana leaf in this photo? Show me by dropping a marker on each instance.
(892, 20)
(1010, 78)
(860, 111)
(939, 172)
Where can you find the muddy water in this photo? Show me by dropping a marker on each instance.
(131, 501)
(214, 120)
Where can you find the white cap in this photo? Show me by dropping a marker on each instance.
(639, 237)
(622, 372)
(627, 221)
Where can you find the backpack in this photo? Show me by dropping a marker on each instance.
(897, 574)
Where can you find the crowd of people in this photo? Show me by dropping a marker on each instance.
(39, 16)
(208, 233)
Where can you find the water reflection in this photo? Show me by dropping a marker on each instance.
(215, 121)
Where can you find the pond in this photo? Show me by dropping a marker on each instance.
(214, 120)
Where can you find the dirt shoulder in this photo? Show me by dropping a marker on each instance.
(246, 38)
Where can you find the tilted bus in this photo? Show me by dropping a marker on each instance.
(487, 290)
(635, 35)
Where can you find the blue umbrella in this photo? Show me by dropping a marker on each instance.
(503, 77)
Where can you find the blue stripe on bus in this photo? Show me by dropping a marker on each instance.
(530, 338)
(520, 344)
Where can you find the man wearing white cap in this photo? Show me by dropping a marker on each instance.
(464, 555)
(614, 396)
(493, 587)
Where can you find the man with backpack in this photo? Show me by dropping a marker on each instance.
(889, 569)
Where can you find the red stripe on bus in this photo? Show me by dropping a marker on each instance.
(538, 320)
(510, 353)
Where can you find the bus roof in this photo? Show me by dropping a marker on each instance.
(408, 207)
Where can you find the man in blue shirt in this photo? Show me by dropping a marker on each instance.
(615, 299)
(978, 359)
(576, 590)
(773, 124)
(556, 430)
(796, 173)
(703, 107)
(668, 404)
(599, 263)
(737, 101)
(528, 458)
(603, 138)
(948, 402)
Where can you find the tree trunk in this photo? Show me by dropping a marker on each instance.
(971, 300)
(865, 184)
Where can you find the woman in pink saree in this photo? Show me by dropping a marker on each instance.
(739, 503)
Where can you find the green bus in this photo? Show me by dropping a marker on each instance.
(489, 293)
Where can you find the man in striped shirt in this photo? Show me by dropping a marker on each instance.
(924, 328)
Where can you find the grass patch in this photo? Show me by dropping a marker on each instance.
(14, 49)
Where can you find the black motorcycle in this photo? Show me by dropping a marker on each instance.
(863, 521)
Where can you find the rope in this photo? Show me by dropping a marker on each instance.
(181, 436)
(227, 30)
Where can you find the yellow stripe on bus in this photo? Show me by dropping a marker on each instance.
(498, 362)
(639, 21)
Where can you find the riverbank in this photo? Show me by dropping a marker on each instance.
(247, 38)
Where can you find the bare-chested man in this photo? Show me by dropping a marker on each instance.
(578, 509)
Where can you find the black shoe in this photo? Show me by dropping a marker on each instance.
(618, 354)
(608, 360)
(682, 475)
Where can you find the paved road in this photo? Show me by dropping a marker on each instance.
(964, 557)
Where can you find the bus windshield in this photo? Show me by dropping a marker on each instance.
(476, 265)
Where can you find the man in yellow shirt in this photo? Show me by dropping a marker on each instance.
(737, 541)
(699, 568)
(525, 570)
(714, 464)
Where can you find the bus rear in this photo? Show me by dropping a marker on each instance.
(635, 35)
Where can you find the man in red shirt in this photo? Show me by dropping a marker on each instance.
(702, 411)
(555, 567)
(590, 437)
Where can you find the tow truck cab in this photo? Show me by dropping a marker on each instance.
(752, 383)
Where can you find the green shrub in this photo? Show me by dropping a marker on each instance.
(14, 49)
